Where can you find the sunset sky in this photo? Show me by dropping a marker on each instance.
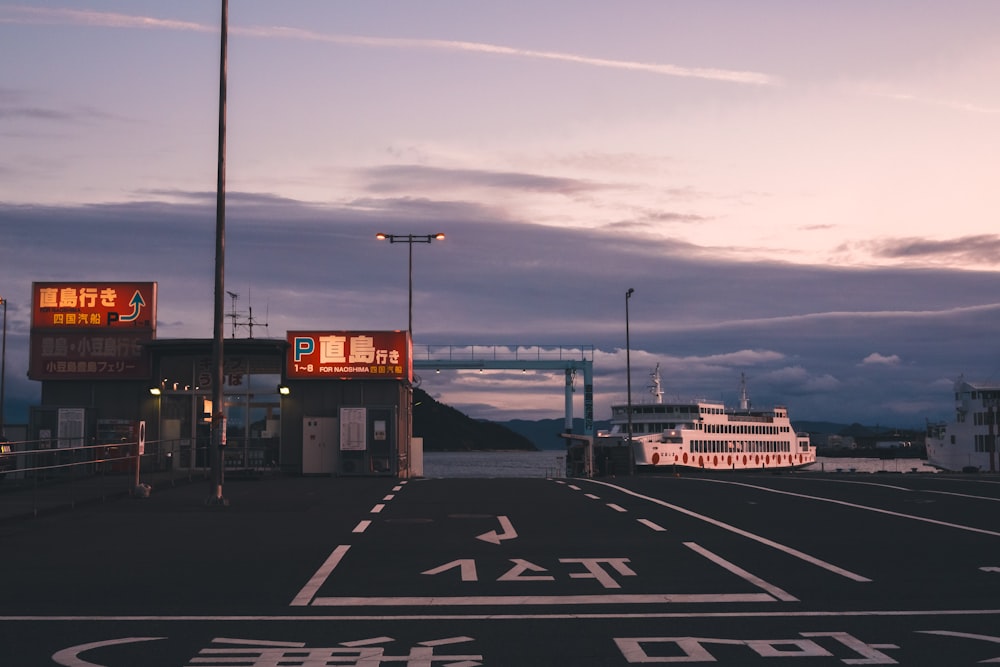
(804, 192)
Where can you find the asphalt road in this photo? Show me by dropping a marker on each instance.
(748, 569)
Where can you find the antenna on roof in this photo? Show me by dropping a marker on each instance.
(237, 317)
(233, 315)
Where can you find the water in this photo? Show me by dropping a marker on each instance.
(552, 463)
(546, 463)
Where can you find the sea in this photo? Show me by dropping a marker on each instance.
(552, 463)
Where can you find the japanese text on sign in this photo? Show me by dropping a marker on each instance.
(94, 305)
(379, 355)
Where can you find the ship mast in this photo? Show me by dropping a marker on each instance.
(744, 395)
(655, 389)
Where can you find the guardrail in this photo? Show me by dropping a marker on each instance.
(44, 476)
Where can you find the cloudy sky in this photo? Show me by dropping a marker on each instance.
(804, 192)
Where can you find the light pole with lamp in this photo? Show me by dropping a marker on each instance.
(3, 367)
(410, 239)
(628, 369)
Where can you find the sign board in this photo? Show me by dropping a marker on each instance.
(91, 330)
(353, 429)
(86, 306)
(89, 355)
(349, 355)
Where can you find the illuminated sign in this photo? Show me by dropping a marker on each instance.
(94, 305)
(91, 331)
(349, 355)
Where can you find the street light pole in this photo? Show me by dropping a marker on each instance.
(628, 366)
(3, 367)
(410, 239)
(217, 452)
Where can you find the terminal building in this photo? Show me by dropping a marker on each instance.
(316, 402)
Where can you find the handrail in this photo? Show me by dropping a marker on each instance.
(475, 352)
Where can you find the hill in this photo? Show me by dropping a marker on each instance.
(544, 433)
(445, 429)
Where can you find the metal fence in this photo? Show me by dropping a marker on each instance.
(35, 476)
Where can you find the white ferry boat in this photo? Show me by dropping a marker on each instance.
(967, 442)
(706, 435)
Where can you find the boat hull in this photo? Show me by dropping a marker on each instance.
(952, 457)
(645, 459)
(654, 454)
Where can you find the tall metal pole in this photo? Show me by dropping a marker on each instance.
(409, 317)
(218, 438)
(628, 366)
(3, 368)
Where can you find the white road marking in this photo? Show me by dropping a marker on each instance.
(378, 508)
(617, 508)
(389, 497)
(650, 524)
(845, 503)
(362, 526)
(964, 495)
(739, 531)
(965, 635)
(466, 568)
(654, 615)
(741, 573)
(494, 537)
(308, 591)
(70, 657)
(519, 600)
(592, 496)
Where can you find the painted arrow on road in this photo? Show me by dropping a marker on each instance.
(494, 537)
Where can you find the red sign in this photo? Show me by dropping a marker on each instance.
(349, 355)
(85, 306)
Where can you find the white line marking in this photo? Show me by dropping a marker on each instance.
(741, 573)
(389, 497)
(617, 508)
(845, 503)
(650, 524)
(326, 618)
(592, 496)
(398, 488)
(739, 531)
(362, 526)
(308, 591)
(574, 487)
(519, 600)
(964, 635)
(378, 508)
(964, 495)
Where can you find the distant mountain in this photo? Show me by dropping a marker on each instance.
(544, 433)
(858, 431)
(445, 429)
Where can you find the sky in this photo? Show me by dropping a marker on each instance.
(803, 192)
